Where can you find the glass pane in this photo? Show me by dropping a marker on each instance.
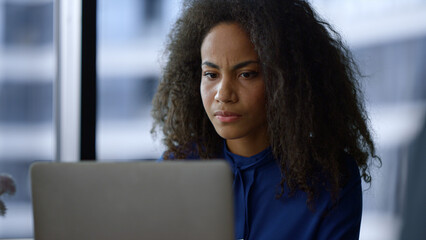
(390, 48)
(27, 72)
(396, 98)
(131, 34)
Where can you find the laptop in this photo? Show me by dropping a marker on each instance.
(132, 200)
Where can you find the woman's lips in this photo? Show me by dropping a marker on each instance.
(226, 117)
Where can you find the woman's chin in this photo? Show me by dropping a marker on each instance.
(227, 135)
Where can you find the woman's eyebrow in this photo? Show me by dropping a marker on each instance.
(243, 64)
(235, 67)
(210, 64)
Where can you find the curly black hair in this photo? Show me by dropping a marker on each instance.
(315, 112)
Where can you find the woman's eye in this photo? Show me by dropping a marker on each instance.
(210, 75)
(248, 75)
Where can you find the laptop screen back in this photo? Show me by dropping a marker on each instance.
(138, 200)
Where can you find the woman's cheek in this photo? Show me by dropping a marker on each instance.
(204, 93)
(206, 90)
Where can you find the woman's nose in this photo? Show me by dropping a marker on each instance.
(226, 91)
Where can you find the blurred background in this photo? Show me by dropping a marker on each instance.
(387, 38)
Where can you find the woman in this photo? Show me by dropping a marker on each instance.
(268, 86)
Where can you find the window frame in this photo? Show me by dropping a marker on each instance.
(75, 84)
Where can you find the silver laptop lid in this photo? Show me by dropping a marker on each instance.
(138, 200)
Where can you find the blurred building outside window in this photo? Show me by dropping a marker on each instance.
(388, 40)
(131, 35)
(27, 72)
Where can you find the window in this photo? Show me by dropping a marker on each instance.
(131, 34)
(27, 72)
(388, 40)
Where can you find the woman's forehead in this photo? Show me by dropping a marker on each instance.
(227, 41)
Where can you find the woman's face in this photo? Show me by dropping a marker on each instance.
(232, 87)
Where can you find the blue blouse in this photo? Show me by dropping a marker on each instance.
(259, 215)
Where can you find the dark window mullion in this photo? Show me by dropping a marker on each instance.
(88, 82)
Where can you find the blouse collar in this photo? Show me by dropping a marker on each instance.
(244, 163)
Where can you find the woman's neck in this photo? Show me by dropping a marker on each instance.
(247, 147)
